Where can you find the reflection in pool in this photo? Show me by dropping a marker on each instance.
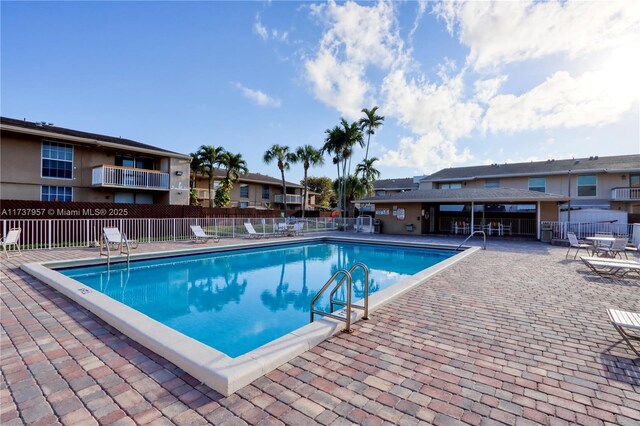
(236, 301)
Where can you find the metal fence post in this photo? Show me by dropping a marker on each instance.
(233, 228)
(49, 233)
(148, 230)
(174, 229)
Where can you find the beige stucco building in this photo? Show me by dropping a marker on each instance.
(39, 161)
(255, 190)
(513, 198)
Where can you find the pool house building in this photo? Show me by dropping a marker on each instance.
(513, 199)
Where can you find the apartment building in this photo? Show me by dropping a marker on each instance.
(40, 161)
(391, 186)
(516, 196)
(255, 190)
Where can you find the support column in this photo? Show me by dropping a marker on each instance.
(539, 222)
(472, 218)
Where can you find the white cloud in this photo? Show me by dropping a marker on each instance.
(356, 37)
(562, 101)
(258, 97)
(487, 89)
(425, 153)
(501, 32)
(422, 7)
(260, 29)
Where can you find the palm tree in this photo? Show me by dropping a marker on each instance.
(235, 166)
(284, 158)
(369, 173)
(340, 142)
(369, 123)
(196, 168)
(210, 158)
(308, 156)
(353, 188)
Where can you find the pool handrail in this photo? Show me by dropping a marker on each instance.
(484, 238)
(347, 318)
(365, 308)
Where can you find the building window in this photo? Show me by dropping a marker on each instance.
(57, 160)
(587, 186)
(380, 193)
(492, 183)
(266, 193)
(244, 191)
(56, 193)
(135, 162)
(244, 204)
(538, 184)
(451, 185)
(634, 181)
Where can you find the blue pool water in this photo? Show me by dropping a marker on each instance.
(236, 301)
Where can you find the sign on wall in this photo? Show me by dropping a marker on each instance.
(400, 214)
(382, 212)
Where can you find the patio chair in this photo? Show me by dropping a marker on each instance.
(575, 244)
(297, 228)
(608, 268)
(282, 228)
(11, 239)
(617, 248)
(113, 238)
(200, 235)
(621, 320)
(251, 232)
(603, 234)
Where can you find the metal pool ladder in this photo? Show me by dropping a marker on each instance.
(484, 239)
(346, 276)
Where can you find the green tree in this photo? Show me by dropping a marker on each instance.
(210, 159)
(196, 168)
(324, 187)
(308, 156)
(354, 189)
(284, 158)
(235, 166)
(369, 123)
(369, 173)
(222, 198)
(339, 143)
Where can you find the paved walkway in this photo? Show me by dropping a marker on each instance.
(511, 335)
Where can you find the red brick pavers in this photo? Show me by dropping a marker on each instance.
(511, 335)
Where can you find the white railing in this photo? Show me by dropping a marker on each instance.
(622, 194)
(53, 233)
(583, 230)
(510, 226)
(129, 178)
(291, 199)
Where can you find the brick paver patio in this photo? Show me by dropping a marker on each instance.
(511, 335)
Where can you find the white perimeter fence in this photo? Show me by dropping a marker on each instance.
(52, 233)
(583, 230)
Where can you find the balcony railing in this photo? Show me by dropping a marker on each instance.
(625, 194)
(126, 177)
(291, 199)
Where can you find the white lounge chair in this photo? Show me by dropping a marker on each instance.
(251, 232)
(200, 235)
(575, 244)
(11, 239)
(113, 238)
(606, 267)
(621, 320)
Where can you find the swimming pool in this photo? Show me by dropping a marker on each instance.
(242, 294)
(236, 301)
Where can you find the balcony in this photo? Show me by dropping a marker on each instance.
(291, 199)
(202, 194)
(126, 177)
(625, 194)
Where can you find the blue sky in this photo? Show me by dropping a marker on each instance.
(458, 83)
